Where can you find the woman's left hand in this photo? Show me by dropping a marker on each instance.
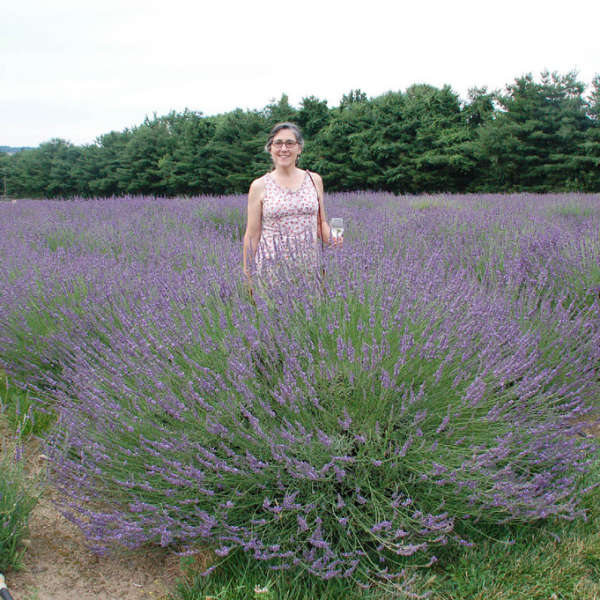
(330, 240)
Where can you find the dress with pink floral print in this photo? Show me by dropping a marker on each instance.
(289, 224)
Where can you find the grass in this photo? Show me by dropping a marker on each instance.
(242, 579)
(19, 494)
(23, 415)
(551, 560)
(547, 561)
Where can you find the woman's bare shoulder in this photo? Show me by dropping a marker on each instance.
(256, 193)
(316, 176)
(258, 185)
(317, 179)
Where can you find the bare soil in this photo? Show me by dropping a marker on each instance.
(58, 565)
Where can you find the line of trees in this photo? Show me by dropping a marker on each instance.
(536, 135)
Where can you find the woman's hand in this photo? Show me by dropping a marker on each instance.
(250, 289)
(329, 239)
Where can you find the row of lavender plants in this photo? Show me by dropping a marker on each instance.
(440, 378)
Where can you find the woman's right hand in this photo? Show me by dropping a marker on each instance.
(248, 285)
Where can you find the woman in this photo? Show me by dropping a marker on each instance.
(285, 208)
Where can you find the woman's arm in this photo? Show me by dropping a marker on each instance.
(325, 229)
(253, 224)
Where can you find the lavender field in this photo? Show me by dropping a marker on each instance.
(441, 379)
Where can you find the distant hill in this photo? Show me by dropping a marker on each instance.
(13, 150)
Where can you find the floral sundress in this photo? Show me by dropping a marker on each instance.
(289, 226)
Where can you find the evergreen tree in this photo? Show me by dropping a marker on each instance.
(591, 176)
(313, 116)
(86, 169)
(280, 111)
(391, 140)
(5, 165)
(535, 142)
(62, 180)
(107, 178)
(479, 108)
(434, 118)
(185, 169)
(236, 153)
(140, 171)
(478, 111)
(342, 152)
(352, 97)
(44, 172)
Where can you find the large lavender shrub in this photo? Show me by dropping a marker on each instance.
(437, 382)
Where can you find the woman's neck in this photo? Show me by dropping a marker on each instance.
(286, 172)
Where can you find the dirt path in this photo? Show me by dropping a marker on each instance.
(58, 566)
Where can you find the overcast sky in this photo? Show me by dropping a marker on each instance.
(76, 69)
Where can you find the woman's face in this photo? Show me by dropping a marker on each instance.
(284, 148)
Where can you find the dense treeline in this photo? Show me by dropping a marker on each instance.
(534, 136)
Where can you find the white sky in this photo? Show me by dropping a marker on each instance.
(76, 69)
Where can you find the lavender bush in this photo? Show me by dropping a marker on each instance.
(440, 380)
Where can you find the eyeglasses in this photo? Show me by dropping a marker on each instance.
(287, 143)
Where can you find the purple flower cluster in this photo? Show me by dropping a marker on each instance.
(443, 371)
